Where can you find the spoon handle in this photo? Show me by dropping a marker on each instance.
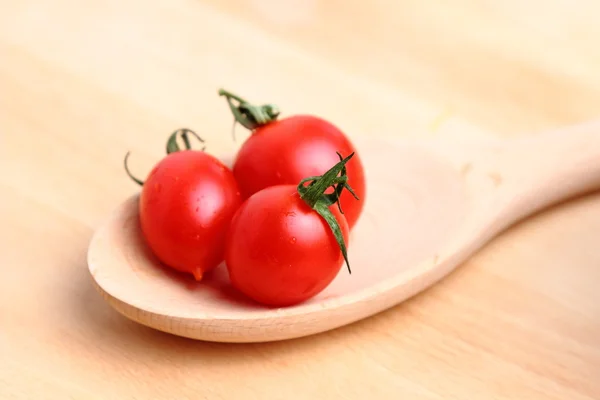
(541, 170)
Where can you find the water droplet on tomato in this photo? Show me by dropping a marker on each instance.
(292, 240)
(197, 208)
(197, 237)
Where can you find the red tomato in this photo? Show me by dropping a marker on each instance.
(185, 207)
(283, 246)
(288, 150)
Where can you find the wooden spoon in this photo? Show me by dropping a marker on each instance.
(430, 206)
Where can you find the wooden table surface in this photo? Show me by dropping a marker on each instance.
(83, 82)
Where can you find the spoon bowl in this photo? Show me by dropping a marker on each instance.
(430, 205)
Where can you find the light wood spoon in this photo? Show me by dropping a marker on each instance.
(430, 206)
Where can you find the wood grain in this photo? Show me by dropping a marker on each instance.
(83, 82)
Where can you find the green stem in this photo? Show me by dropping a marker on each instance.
(249, 115)
(172, 146)
(314, 195)
(133, 178)
(228, 94)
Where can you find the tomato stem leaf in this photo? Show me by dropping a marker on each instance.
(173, 146)
(312, 191)
(248, 115)
(325, 212)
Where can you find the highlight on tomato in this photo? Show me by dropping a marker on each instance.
(286, 243)
(186, 205)
(283, 151)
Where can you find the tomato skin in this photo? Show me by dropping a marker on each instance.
(281, 252)
(186, 205)
(288, 150)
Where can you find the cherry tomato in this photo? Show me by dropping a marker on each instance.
(286, 244)
(185, 208)
(285, 151)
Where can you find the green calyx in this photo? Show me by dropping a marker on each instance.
(314, 195)
(172, 146)
(248, 115)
